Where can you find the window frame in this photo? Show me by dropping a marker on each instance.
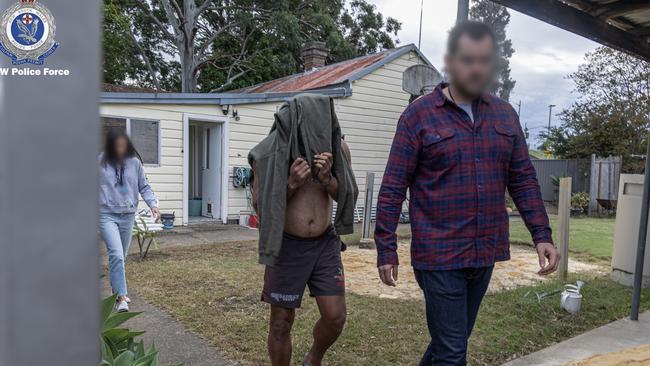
(128, 132)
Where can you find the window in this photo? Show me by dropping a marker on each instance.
(145, 135)
(109, 123)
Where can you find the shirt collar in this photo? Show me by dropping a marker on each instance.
(441, 98)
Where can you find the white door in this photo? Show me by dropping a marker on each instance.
(212, 170)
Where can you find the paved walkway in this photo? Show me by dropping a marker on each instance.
(174, 342)
(199, 235)
(613, 337)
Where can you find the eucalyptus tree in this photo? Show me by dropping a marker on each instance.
(216, 45)
(498, 17)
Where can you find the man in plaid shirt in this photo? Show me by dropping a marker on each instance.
(457, 150)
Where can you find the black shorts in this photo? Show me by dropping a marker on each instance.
(313, 262)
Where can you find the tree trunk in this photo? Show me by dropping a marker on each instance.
(188, 72)
(188, 58)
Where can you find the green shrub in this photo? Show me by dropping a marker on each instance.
(555, 179)
(509, 202)
(118, 345)
(580, 201)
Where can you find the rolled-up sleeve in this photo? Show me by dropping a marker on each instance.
(402, 163)
(525, 192)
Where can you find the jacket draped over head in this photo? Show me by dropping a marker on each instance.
(305, 126)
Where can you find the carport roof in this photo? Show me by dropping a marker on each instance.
(620, 24)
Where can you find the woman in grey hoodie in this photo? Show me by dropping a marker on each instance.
(121, 179)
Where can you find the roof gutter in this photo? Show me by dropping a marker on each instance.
(215, 98)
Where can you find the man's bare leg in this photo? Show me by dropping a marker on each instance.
(279, 340)
(328, 327)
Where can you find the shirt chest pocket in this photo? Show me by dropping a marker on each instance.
(504, 142)
(440, 148)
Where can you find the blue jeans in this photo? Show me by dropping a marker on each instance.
(115, 229)
(452, 302)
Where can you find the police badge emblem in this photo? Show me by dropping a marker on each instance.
(27, 33)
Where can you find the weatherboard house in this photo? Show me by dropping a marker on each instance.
(193, 144)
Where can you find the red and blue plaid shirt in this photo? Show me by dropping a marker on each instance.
(457, 172)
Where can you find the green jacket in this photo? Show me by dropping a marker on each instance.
(303, 127)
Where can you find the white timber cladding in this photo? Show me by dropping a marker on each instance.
(166, 180)
(368, 119)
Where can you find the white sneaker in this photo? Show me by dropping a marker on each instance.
(126, 298)
(122, 306)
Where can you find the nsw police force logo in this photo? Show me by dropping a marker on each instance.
(27, 33)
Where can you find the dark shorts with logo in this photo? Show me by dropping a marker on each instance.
(312, 262)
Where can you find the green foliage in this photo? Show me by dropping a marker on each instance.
(580, 201)
(118, 345)
(509, 202)
(610, 116)
(555, 179)
(498, 17)
(247, 41)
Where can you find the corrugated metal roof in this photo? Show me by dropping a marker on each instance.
(333, 80)
(330, 75)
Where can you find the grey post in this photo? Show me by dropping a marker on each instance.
(462, 13)
(49, 261)
(564, 204)
(643, 235)
(593, 183)
(367, 208)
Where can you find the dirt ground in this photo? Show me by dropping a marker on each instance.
(637, 356)
(361, 272)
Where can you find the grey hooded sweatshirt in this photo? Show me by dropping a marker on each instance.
(123, 198)
(305, 126)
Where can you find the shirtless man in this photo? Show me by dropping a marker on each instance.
(310, 255)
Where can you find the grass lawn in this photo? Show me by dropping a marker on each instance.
(589, 237)
(214, 290)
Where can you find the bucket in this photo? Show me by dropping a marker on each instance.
(168, 220)
(194, 207)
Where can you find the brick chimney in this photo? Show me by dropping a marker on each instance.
(314, 55)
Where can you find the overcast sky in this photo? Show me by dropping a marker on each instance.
(543, 56)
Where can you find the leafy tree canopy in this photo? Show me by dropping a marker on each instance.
(217, 45)
(497, 17)
(612, 113)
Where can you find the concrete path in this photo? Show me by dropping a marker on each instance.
(174, 342)
(199, 235)
(613, 337)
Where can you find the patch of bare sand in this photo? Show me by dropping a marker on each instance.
(637, 356)
(361, 272)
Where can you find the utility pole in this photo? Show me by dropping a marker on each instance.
(550, 110)
(420, 35)
(463, 11)
(519, 108)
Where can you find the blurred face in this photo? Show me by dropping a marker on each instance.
(121, 147)
(471, 67)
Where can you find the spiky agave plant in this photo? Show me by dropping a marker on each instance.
(118, 345)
